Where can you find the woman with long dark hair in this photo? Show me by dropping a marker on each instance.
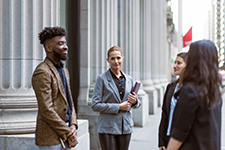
(169, 102)
(197, 116)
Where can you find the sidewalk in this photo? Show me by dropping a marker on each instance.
(146, 138)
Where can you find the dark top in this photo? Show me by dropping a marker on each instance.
(120, 83)
(163, 138)
(63, 78)
(198, 127)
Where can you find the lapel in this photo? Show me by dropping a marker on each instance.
(58, 78)
(128, 87)
(67, 82)
(170, 95)
(112, 85)
(114, 88)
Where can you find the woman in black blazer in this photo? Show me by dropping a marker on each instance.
(197, 116)
(167, 111)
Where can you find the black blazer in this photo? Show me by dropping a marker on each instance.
(163, 139)
(194, 124)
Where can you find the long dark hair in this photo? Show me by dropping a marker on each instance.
(202, 70)
(183, 55)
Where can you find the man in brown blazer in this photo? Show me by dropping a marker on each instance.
(56, 121)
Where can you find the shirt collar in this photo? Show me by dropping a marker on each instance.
(61, 65)
(122, 76)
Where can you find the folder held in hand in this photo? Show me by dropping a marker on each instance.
(136, 87)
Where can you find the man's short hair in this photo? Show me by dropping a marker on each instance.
(50, 32)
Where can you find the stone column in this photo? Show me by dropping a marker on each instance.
(145, 42)
(155, 27)
(165, 49)
(129, 41)
(160, 39)
(98, 31)
(129, 36)
(20, 52)
(154, 42)
(158, 58)
(103, 34)
(162, 50)
(163, 39)
(166, 45)
(145, 53)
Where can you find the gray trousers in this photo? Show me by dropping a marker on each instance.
(54, 147)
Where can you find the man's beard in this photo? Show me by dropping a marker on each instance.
(59, 56)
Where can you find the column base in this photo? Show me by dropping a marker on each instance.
(18, 115)
(140, 115)
(147, 82)
(85, 112)
(160, 94)
(161, 88)
(16, 142)
(152, 96)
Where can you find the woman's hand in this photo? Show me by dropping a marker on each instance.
(132, 98)
(162, 148)
(125, 106)
(174, 144)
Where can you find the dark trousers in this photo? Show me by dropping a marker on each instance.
(114, 142)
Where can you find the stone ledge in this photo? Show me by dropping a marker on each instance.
(27, 141)
(140, 115)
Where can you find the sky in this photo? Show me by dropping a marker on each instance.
(195, 14)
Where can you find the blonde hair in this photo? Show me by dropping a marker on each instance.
(114, 48)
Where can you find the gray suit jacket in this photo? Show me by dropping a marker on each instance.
(106, 100)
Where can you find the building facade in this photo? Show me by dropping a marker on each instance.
(142, 28)
(217, 28)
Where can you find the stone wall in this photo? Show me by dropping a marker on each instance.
(27, 141)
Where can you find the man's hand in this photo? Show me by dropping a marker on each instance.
(132, 98)
(125, 106)
(72, 137)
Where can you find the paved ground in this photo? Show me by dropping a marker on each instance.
(146, 138)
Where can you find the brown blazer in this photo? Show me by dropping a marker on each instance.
(52, 105)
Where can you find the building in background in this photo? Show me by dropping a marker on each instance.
(210, 24)
(144, 30)
(221, 31)
(216, 28)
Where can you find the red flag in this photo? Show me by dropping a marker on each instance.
(187, 39)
